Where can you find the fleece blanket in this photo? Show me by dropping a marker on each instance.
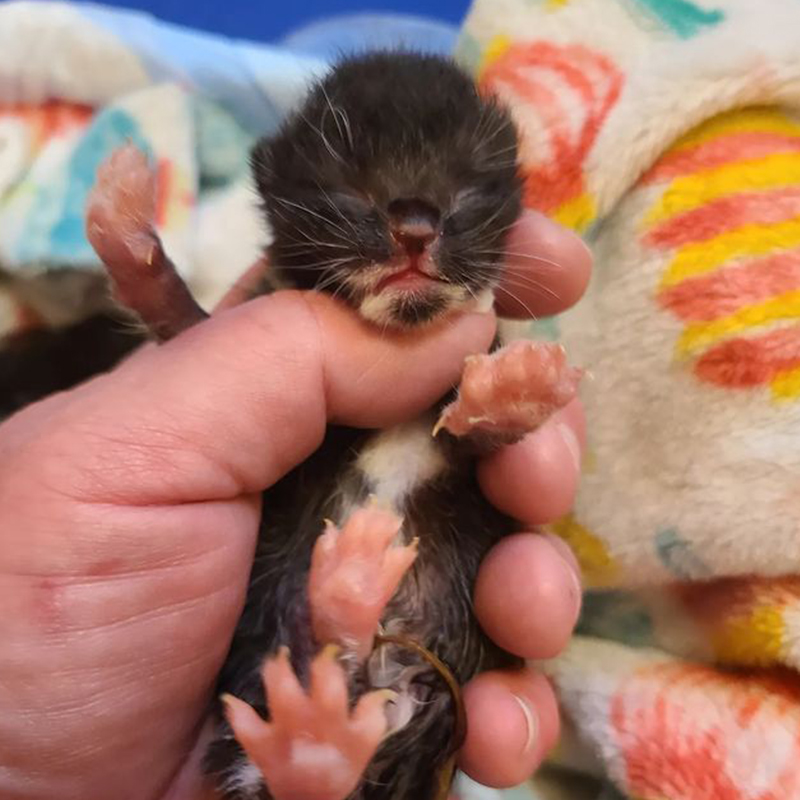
(668, 132)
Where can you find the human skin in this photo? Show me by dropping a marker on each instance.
(129, 508)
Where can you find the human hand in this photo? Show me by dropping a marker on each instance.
(129, 508)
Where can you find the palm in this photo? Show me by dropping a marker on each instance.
(127, 622)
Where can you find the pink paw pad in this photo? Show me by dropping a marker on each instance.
(313, 747)
(354, 573)
(121, 208)
(120, 216)
(512, 391)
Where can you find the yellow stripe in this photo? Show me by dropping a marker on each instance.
(553, 4)
(496, 47)
(597, 567)
(749, 240)
(702, 334)
(750, 120)
(754, 641)
(576, 214)
(692, 191)
(786, 385)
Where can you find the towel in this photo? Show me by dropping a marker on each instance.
(668, 133)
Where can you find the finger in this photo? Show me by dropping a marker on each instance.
(528, 595)
(513, 723)
(246, 286)
(536, 479)
(232, 404)
(547, 269)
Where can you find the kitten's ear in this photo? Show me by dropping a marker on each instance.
(261, 160)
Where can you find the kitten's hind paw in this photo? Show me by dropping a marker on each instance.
(313, 747)
(511, 392)
(354, 573)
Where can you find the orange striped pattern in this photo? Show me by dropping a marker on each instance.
(48, 119)
(565, 92)
(692, 733)
(729, 216)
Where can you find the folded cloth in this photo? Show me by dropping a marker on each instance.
(668, 132)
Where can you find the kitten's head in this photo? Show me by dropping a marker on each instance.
(394, 187)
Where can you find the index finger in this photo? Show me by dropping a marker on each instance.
(547, 269)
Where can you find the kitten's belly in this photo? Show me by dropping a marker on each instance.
(395, 463)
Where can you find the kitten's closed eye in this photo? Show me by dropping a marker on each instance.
(351, 203)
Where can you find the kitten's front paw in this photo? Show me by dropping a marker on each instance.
(121, 210)
(313, 747)
(120, 224)
(511, 392)
(354, 573)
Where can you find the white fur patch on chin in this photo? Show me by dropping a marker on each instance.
(484, 300)
(379, 308)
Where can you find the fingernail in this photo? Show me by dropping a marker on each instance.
(531, 723)
(571, 441)
(572, 567)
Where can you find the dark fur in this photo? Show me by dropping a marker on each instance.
(39, 362)
(417, 130)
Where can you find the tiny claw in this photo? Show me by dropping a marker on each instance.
(437, 427)
(390, 695)
(331, 651)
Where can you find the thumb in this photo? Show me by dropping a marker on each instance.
(231, 405)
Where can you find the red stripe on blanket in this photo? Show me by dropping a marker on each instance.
(709, 297)
(743, 363)
(724, 215)
(726, 149)
(570, 90)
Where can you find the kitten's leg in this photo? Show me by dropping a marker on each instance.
(120, 217)
(509, 393)
(354, 573)
(314, 747)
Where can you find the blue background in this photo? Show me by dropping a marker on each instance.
(267, 20)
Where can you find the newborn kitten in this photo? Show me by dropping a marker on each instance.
(393, 187)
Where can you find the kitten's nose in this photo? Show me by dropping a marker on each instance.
(413, 223)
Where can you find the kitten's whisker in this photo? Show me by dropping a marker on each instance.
(526, 256)
(311, 212)
(321, 133)
(501, 288)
